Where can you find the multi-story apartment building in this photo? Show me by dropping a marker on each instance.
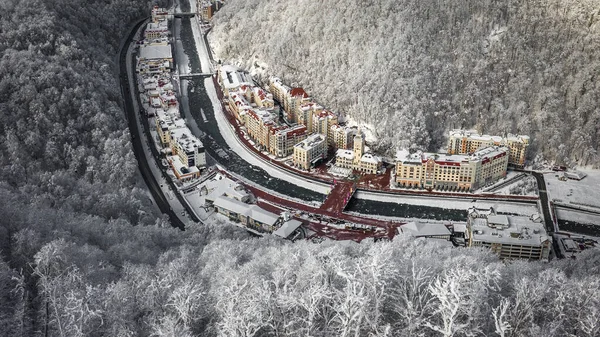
(165, 122)
(258, 124)
(159, 14)
(322, 122)
(292, 101)
(304, 113)
(156, 30)
(356, 159)
(342, 136)
(262, 98)
(279, 90)
(511, 237)
(469, 141)
(309, 151)
(154, 59)
(187, 154)
(283, 138)
(453, 172)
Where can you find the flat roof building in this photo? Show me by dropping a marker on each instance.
(507, 235)
(309, 151)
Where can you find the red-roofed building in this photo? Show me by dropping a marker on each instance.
(283, 138)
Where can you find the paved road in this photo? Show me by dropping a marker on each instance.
(545, 204)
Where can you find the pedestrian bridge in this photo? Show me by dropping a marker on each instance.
(184, 15)
(192, 75)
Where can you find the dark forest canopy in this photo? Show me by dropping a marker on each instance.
(420, 67)
(84, 253)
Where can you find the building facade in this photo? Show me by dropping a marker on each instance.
(511, 237)
(356, 159)
(453, 172)
(309, 151)
(469, 141)
(283, 138)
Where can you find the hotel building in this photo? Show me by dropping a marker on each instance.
(469, 141)
(309, 151)
(453, 172)
(283, 138)
(356, 159)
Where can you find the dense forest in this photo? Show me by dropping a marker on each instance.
(421, 67)
(83, 252)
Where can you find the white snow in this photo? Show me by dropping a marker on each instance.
(451, 203)
(585, 192)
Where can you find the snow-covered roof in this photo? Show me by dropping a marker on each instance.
(225, 186)
(182, 168)
(252, 211)
(508, 229)
(155, 52)
(287, 228)
(231, 205)
(311, 141)
(419, 229)
(233, 77)
(369, 158)
(348, 154)
(185, 139)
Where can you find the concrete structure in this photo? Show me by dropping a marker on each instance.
(292, 101)
(279, 90)
(309, 151)
(453, 172)
(469, 141)
(425, 230)
(508, 236)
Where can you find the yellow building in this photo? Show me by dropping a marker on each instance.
(279, 90)
(292, 101)
(262, 98)
(309, 151)
(453, 172)
(165, 122)
(342, 136)
(356, 159)
(322, 121)
(258, 124)
(469, 141)
(283, 138)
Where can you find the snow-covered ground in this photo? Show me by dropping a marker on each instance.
(585, 192)
(450, 203)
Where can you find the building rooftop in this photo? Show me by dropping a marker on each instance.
(234, 77)
(248, 210)
(185, 138)
(155, 52)
(287, 228)
(348, 154)
(506, 229)
(420, 229)
(311, 141)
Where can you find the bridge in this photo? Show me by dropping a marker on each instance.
(339, 197)
(184, 15)
(192, 75)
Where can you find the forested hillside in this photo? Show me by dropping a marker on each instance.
(84, 253)
(419, 68)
